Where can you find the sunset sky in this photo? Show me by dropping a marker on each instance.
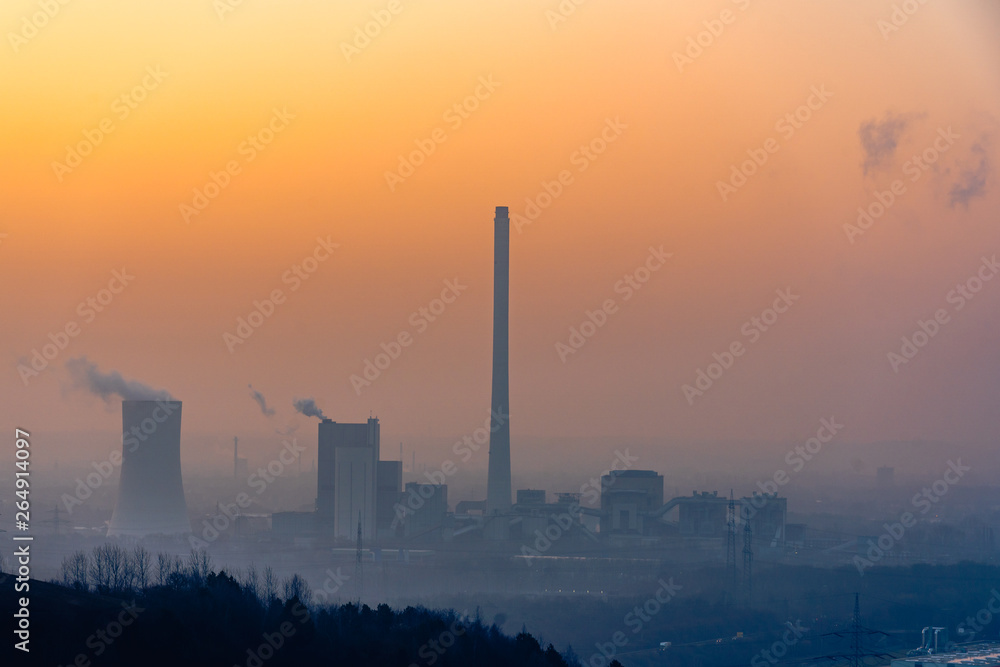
(664, 131)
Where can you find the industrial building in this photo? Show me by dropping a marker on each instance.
(347, 461)
(388, 486)
(980, 654)
(354, 485)
(628, 497)
(151, 490)
(427, 512)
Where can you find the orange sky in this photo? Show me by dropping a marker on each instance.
(554, 90)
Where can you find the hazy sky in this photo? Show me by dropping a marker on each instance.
(664, 131)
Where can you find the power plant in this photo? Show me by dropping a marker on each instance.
(151, 491)
(362, 499)
(626, 507)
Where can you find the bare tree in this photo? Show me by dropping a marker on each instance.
(251, 583)
(140, 561)
(199, 565)
(99, 569)
(296, 587)
(164, 565)
(120, 572)
(270, 585)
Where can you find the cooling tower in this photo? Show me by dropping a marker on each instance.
(498, 487)
(150, 492)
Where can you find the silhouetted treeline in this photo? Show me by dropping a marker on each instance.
(120, 606)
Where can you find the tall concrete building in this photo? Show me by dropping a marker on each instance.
(498, 488)
(346, 483)
(388, 489)
(150, 491)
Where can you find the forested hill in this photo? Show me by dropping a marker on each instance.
(214, 620)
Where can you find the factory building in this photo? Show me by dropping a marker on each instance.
(534, 518)
(767, 515)
(347, 458)
(704, 515)
(427, 515)
(978, 654)
(530, 497)
(388, 489)
(627, 499)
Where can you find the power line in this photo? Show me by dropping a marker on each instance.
(857, 633)
(747, 555)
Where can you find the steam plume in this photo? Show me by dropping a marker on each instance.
(880, 139)
(261, 401)
(308, 407)
(972, 182)
(87, 376)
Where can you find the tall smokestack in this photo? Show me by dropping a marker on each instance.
(150, 491)
(498, 488)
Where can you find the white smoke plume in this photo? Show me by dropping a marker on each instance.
(87, 376)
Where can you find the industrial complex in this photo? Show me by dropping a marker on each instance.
(361, 498)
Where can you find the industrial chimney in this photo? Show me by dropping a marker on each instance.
(150, 491)
(498, 488)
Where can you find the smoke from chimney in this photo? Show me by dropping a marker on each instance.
(261, 402)
(308, 407)
(87, 376)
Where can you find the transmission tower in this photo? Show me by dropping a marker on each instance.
(359, 568)
(731, 545)
(747, 555)
(857, 633)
